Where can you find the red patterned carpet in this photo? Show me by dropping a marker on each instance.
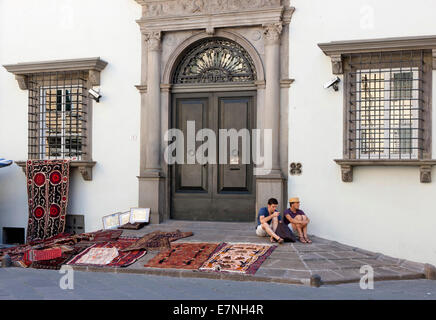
(183, 256)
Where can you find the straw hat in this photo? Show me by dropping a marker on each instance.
(294, 199)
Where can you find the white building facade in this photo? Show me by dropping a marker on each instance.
(360, 158)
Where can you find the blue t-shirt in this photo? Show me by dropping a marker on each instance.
(264, 212)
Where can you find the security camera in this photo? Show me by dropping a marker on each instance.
(95, 94)
(333, 83)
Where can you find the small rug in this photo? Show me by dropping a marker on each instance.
(238, 258)
(123, 259)
(158, 240)
(183, 256)
(98, 256)
(47, 190)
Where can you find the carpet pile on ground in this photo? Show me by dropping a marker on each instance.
(109, 248)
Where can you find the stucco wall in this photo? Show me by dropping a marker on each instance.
(384, 209)
(68, 29)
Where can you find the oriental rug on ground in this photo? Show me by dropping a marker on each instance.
(123, 259)
(238, 258)
(183, 256)
(47, 189)
(158, 240)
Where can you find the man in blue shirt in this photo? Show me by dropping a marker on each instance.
(268, 220)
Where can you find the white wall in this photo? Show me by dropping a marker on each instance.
(66, 29)
(386, 209)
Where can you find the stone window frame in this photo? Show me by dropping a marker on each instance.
(338, 51)
(92, 67)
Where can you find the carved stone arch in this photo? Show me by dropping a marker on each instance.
(174, 58)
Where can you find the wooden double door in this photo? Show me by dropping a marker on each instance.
(221, 191)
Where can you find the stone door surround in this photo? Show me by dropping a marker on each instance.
(185, 22)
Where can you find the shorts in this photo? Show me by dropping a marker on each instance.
(262, 233)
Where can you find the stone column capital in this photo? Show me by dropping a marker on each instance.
(153, 40)
(272, 32)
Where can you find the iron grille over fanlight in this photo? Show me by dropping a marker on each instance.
(215, 60)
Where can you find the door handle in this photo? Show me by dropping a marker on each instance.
(235, 169)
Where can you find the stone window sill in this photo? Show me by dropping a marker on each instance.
(348, 164)
(85, 167)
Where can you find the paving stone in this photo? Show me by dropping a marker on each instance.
(264, 271)
(315, 265)
(295, 264)
(295, 274)
(348, 263)
(330, 276)
(311, 256)
(348, 254)
(284, 255)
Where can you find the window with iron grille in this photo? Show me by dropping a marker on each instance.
(58, 114)
(387, 100)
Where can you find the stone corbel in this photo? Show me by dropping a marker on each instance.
(22, 81)
(347, 173)
(86, 172)
(337, 64)
(425, 174)
(94, 77)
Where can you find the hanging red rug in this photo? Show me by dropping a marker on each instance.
(47, 190)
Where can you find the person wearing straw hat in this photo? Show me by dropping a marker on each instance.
(297, 219)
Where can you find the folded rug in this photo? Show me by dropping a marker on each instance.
(238, 258)
(47, 190)
(158, 240)
(39, 255)
(183, 256)
(123, 259)
(56, 264)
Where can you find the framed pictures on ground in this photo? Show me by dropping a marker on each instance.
(139, 215)
(124, 217)
(111, 221)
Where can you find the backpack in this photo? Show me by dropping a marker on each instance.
(285, 233)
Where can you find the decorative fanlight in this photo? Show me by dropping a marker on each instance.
(216, 60)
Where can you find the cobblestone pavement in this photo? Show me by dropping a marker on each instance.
(34, 284)
(321, 263)
(295, 263)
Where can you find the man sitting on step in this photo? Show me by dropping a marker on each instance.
(297, 220)
(268, 220)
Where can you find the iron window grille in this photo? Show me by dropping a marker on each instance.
(386, 105)
(58, 108)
